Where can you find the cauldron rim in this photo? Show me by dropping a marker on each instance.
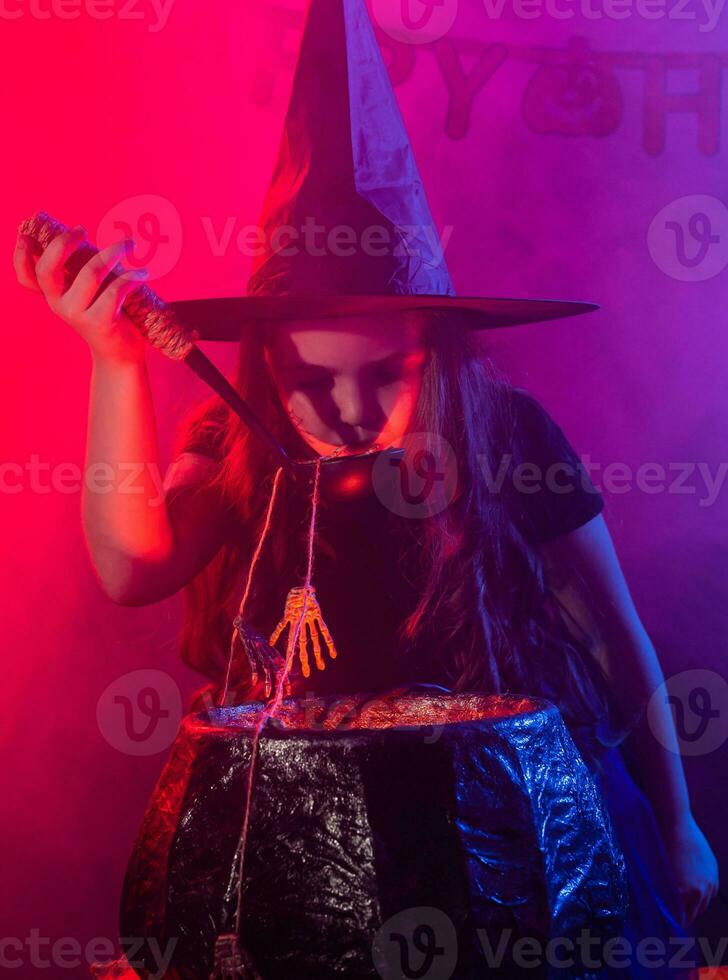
(242, 718)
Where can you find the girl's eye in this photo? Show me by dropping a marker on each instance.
(391, 370)
(388, 375)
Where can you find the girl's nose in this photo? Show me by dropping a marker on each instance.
(349, 400)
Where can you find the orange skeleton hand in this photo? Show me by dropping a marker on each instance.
(311, 620)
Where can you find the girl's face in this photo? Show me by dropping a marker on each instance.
(349, 382)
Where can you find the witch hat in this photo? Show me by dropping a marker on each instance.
(346, 228)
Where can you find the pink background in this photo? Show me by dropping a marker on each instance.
(186, 118)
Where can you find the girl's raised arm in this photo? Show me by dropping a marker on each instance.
(144, 542)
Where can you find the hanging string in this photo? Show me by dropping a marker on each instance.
(269, 711)
(251, 570)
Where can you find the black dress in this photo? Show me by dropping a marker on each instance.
(360, 574)
(363, 592)
(361, 578)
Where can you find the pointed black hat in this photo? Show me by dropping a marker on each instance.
(346, 228)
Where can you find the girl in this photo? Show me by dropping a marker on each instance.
(506, 588)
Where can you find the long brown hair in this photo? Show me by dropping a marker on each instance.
(480, 580)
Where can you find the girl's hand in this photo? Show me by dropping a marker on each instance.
(107, 330)
(694, 867)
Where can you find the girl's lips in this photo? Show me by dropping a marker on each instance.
(343, 449)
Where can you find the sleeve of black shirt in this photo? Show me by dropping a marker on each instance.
(554, 494)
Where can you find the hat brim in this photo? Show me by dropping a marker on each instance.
(224, 318)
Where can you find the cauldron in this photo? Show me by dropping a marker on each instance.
(384, 830)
